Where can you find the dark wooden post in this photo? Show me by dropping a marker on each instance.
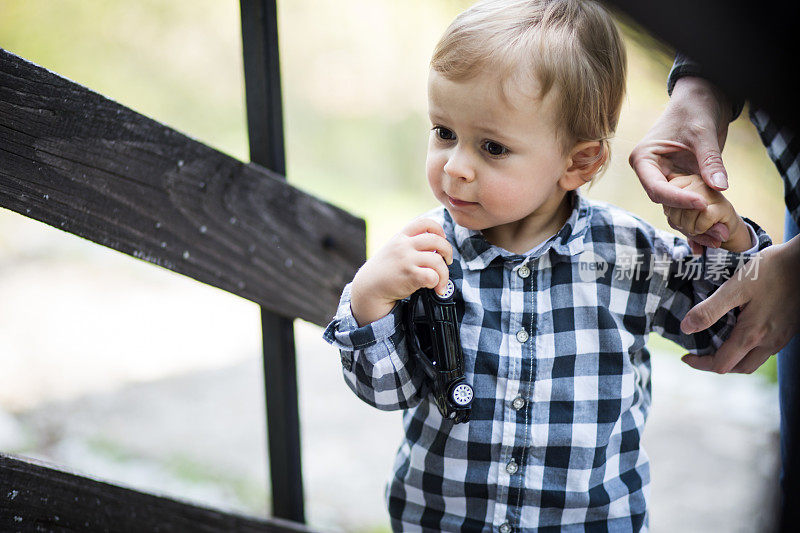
(265, 128)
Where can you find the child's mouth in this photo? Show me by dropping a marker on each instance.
(459, 203)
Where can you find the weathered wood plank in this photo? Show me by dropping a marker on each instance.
(80, 162)
(37, 497)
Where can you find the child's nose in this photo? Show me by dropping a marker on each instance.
(459, 166)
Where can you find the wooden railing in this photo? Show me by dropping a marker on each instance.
(39, 497)
(80, 162)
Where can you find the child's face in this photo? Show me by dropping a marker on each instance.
(491, 161)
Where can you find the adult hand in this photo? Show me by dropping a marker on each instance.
(769, 297)
(686, 139)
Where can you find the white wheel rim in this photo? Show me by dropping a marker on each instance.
(448, 291)
(462, 394)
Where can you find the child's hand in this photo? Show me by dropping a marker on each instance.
(412, 259)
(692, 222)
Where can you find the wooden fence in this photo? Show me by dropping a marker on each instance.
(38, 497)
(89, 166)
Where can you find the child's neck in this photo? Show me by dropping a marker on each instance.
(520, 236)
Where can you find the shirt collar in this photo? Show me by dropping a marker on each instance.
(478, 253)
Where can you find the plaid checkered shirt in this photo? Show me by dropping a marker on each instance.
(554, 343)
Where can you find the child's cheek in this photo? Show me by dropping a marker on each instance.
(434, 176)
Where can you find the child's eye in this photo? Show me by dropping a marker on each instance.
(494, 149)
(444, 133)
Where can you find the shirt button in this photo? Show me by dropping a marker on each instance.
(512, 467)
(522, 335)
(523, 271)
(505, 528)
(518, 403)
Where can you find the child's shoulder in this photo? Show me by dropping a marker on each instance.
(612, 224)
(604, 213)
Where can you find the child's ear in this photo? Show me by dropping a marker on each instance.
(584, 160)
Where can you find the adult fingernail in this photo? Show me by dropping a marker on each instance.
(688, 325)
(699, 205)
(720, 180)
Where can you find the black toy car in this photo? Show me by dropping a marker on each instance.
(432, 336)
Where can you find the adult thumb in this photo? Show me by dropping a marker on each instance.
(706, 313)
(709, 160)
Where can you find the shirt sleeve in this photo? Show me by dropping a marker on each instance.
(689, 280)
(683, 66)
(375, 360)
(783, 147)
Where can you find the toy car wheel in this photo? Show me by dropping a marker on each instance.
(448, 292)
(462, 394)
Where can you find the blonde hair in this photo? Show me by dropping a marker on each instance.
(571, 46)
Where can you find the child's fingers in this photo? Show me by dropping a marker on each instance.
(426, 277)
(674, 215)
(688, 221)
(423, 225)
(708, 218)
(682, 220)
(428, 242)
(671, 214)
(673, 226)
(433, 262)
(719, 231)
(703, 240)
(683, 180)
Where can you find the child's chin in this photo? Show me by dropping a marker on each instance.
(464, 221)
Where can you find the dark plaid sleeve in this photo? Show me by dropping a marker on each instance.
(683, 66)
(375, 361)
(783, 147)
(690, 279)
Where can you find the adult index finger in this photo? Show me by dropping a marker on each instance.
(660, 190)
(706, 313)
(728, 355)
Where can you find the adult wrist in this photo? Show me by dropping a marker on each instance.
(685, 67)
(696, 89)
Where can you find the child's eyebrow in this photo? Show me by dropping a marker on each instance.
(436, 117)
(486, 129)
(490, 130)
(497, 134)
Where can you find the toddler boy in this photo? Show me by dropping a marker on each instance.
(556, 293)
